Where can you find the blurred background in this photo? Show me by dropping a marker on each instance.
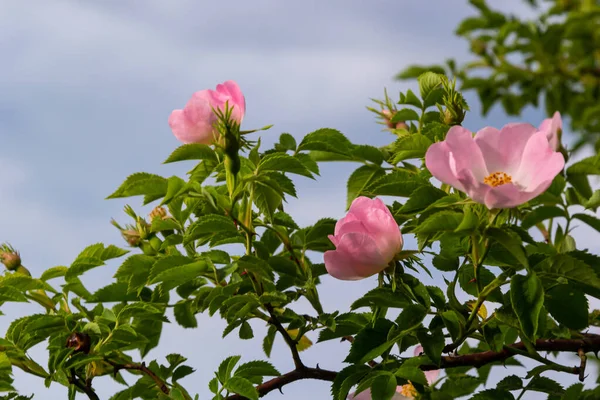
(86, 89)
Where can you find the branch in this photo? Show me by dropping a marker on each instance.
(295, 375)
(85, 388)
(286, 336)
(142, 367)
(587, 343)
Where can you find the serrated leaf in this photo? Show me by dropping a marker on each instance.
(241, 386)
(184, 314)
(493, 394)
(328, 140)
(360, 179)
(540, 214)
(568, 306)
(511, 382)
(460, 386)
(442, 221)
(527, 298)
(141, 183)
(398, 183)
(510, 243)
(256, 368)
(411, 146)
(54, 272)
(383, 297)
(192, 151)
(405, 114)
(283, 162)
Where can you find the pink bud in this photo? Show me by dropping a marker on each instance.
(10, 258)
(195, 123)
(366, 240)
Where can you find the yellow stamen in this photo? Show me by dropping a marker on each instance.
(497, 179)
(408, 390)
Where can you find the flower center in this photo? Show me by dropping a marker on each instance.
(408, 390)
(497, 179)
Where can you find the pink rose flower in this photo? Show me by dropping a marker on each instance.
(194, 124)
(366, 240)
(402, 392)
(499, 168)
(551, 126)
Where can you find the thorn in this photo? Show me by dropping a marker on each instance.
(473, 280)
(280, 391)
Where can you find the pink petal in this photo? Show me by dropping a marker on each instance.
(466, 153)
(503, 150)
(550, 127)
(438, 162)
(187, 132)
(356, 256)
(233, 95)
(446, 160)
(508, 195)
(350, 223)
(364, 395)
(540, 163)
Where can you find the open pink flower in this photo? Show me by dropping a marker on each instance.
(194, 124)
(403, 392)
(499, 168)
(551, 126)
(366, 240)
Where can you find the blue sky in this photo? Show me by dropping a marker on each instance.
(86, 89)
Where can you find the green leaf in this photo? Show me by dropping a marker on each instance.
(422, 198)
(428, 82)
(283, 162)
(414, 71)
(398, 183)
(460, 386)
(326, 139)
(141, 183)
(241, 386)
(510, 243)
(411, 317)
(287, 142)
(360, 179)
(540, 214)
(267, 199)
(584, 276)
(256, 368)
(442, 221)
(405, 114)
(511, 382)
(588, 219)
(545, 385)
(368, 339)
(182, 372)
(384, 387)
(114, 292)
(382, 297)
(184, 314)
(411, 146)
(410, 98)
(268, 340)
(179, 275)
(192, 151)
(208, 226)
(413, 374)
(527, 298)
(226, 367)
(568, 306)
(493, 394)
(54, 272)
(466, 280)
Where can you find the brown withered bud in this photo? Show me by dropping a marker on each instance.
(132, 237)
(79, 341)
(158, 212)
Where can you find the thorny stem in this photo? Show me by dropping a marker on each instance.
(286, 336)
(84, 387)
(587, 343)
(141, 367)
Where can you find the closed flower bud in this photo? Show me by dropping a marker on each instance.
(10, 257)
(158, 212)
(132, 237)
